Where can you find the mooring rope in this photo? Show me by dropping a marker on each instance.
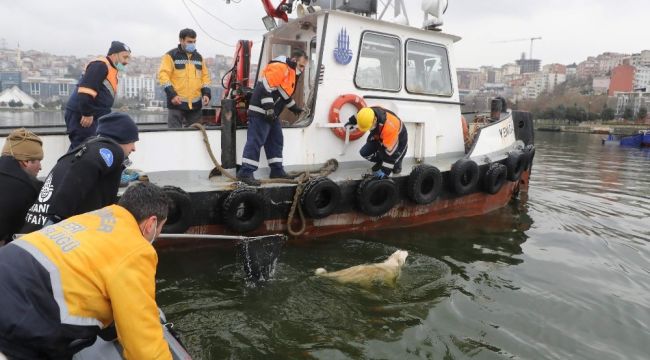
(300, 178)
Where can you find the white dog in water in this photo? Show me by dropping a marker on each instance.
(386, 272)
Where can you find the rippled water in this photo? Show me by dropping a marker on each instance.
(563, 274)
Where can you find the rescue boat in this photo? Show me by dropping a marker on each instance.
(452, 168)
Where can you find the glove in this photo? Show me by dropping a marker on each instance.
(270, 116)
(379, 174)
(351, 124)
(296, 109)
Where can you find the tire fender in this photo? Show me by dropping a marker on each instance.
(320, 197)
(494, 178)
(464, 176)
(424, 184)
(244, 210)
(180, 210)
(376, 197)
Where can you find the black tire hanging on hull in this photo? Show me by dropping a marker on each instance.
(494, 178)
(180, 210)
(320, 197)
(376, 197)
(464, 176)
(516, 164)
(424, 184)
(244, 210)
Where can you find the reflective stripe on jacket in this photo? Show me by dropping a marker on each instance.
(389, 131)
(99, 82)
(110, 83)
(275, 88)
(100, 269)
(186, 76)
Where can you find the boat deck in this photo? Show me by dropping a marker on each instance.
(197, 181)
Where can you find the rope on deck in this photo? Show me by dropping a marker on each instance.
(300, 178)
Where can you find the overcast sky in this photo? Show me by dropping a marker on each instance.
(571, 30)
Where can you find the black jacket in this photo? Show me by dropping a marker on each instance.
(18, 191)
(86, 178)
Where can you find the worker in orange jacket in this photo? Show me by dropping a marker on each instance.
(387, 142)
(272, 94)
(64, 283)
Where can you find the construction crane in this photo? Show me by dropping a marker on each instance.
(531, 39)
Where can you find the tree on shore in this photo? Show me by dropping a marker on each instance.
(608, 114)
(643, 112)
(628, 114)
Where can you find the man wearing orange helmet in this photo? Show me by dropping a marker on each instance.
(387, 141)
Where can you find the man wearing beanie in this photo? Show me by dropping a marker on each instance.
(186, 80)
(89, 177)
(19, 165)
(95, 93)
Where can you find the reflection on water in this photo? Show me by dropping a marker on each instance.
(52, 118)
(562, 275)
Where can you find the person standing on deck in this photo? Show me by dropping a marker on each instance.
(95, 93)
(61, 285)
(186, 80)
(271, 96)
(19, 165)
(88, 177)
(387, 141)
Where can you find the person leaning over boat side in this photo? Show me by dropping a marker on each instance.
(271, 95)
(61, 285)
(387, 141)
(95, 93)
(88, 177)
(186, 80)
(19, 165)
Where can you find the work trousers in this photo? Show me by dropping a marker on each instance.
(375, 152)
(262, 132)
(182, 118)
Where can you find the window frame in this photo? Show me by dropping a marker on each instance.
(65, 92)
(399, 54)
(453, 91)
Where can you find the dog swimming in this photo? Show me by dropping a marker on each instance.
(384, 273)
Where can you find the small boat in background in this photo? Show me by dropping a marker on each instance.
(642, 139)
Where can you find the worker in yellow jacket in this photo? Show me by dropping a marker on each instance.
(186, 80)
(64, 283)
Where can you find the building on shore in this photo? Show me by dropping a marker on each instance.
(14, 98)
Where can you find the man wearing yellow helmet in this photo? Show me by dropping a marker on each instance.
(387, 141)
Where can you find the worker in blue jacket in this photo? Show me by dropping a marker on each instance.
(88, 177)
(95, 93)
(272, 94)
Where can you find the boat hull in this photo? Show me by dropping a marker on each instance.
(348, 219)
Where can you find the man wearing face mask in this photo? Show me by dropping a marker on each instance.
(88, 177)
(95, 93)
(61, 285)
(272, 94)
(186, 80)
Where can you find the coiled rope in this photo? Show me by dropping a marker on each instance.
(300, 178)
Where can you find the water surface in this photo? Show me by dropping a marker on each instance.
(563, 273)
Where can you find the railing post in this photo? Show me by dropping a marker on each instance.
(228, 138)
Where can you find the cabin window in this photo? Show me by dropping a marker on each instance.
(379, 63)
(280, 50)
(427, 69)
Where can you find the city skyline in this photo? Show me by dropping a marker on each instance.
(568, 34)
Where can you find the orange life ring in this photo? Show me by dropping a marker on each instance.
(355, 100)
